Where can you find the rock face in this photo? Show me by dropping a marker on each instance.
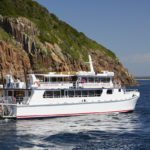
(45, 57)
(13, 61)
(20, 28)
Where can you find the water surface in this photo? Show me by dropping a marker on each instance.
(129, 131)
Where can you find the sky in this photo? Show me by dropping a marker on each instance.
(123, 26)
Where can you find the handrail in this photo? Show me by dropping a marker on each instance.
(58, 82)
(8, 104)
(22, 100)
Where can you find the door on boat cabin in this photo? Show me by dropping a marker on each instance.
(19, 95)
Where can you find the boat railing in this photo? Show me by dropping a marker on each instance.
(22, 100)
(116, 85)
(57, 82)
(14, 100)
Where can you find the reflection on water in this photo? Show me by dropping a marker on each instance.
(68, 132)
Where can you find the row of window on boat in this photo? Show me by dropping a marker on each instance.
(74, 79)
(20, 93)
(58, 93)
(74, 93)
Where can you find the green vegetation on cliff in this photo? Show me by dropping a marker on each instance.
(52, 29)
(6, 37)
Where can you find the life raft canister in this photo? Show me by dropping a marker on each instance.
(37, 83)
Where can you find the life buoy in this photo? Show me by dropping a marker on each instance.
(37, 83)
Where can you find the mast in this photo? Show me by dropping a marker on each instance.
(91, 65)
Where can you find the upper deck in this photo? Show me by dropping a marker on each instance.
(55, 80)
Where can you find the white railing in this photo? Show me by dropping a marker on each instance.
(14, 100)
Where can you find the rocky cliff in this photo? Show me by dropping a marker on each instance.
(25, 44)
(12, 60)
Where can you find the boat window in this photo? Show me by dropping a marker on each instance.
(84, 93)
(119, 90)
(108, 80)
(59, 79)
(66, 93)
(40, 78)
(98, 92)
(56, 93)
(83, 80)
(71, 93)
(109, 91)
(10, 93)
(62, 93)
(53, 79)
(19, 93)
(46, 79)
(91, 93)
(91, 80)
(29, 93)
(66, 79)
(74, 78)
(97, 80)
(105, 80)
(48, 94)
(78, 93)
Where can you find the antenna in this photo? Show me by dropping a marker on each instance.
(91, 64)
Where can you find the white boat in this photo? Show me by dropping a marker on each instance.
(65, 94)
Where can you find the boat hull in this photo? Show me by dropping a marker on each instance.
(57, 110)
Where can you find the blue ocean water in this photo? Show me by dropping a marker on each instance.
(116, 131)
